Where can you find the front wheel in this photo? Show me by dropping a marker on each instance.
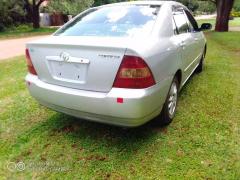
(170, 105)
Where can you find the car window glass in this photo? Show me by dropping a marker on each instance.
(192, 21)
(128, 20)
(181, 21)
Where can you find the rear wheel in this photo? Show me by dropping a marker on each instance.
(170, 105)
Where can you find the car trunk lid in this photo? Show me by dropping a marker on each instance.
(85, 63)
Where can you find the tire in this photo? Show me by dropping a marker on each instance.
(199, 69)
(168, 111)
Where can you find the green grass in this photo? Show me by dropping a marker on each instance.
(201, 143)
(25, 31)
(232, 23)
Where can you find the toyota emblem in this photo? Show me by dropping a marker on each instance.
(64, 56)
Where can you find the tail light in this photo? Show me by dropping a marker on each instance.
(133, 73)
(30, 66)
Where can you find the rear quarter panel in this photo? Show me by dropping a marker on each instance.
(162, 57)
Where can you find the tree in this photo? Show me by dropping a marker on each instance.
(224, 8)
(32, 8)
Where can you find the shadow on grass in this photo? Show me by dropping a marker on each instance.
(94, 138)
(79, 129)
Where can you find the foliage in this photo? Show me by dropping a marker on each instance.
(11, 13)
(102, 2)
(192, 5)
(237, 5)
(206, 6)
(235, 14)
(72, 7)
(24, 30)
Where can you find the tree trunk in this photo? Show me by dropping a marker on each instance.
(36, 17)
(33, 12)
(224, 8)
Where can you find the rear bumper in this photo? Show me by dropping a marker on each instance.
(138, 107)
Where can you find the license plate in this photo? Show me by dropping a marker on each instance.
(68, 71)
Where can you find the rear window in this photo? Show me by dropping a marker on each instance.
(130, 20)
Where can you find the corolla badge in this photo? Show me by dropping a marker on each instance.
(64, 56)
(110, 56)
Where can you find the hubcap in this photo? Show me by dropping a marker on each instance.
(172, 100)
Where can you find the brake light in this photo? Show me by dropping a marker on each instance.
(30, 66)
(133, 73)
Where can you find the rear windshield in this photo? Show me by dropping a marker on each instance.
(130, 20)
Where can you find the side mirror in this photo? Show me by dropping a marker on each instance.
(205, 26)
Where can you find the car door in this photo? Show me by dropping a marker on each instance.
(197, 36)
(184, 40)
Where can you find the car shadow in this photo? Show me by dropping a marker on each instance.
(75, 126)
(93, 135)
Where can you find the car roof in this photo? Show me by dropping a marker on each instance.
(143, 3)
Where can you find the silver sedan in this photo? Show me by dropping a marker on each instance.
(120, 64)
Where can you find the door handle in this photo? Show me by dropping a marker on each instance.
(182, 44)
(196, 39)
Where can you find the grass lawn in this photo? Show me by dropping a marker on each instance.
(201, 143)
(25, 31)
(232, 23)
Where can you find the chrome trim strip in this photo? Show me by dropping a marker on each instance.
(71, 59)
(192, 63)
(190, 75)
